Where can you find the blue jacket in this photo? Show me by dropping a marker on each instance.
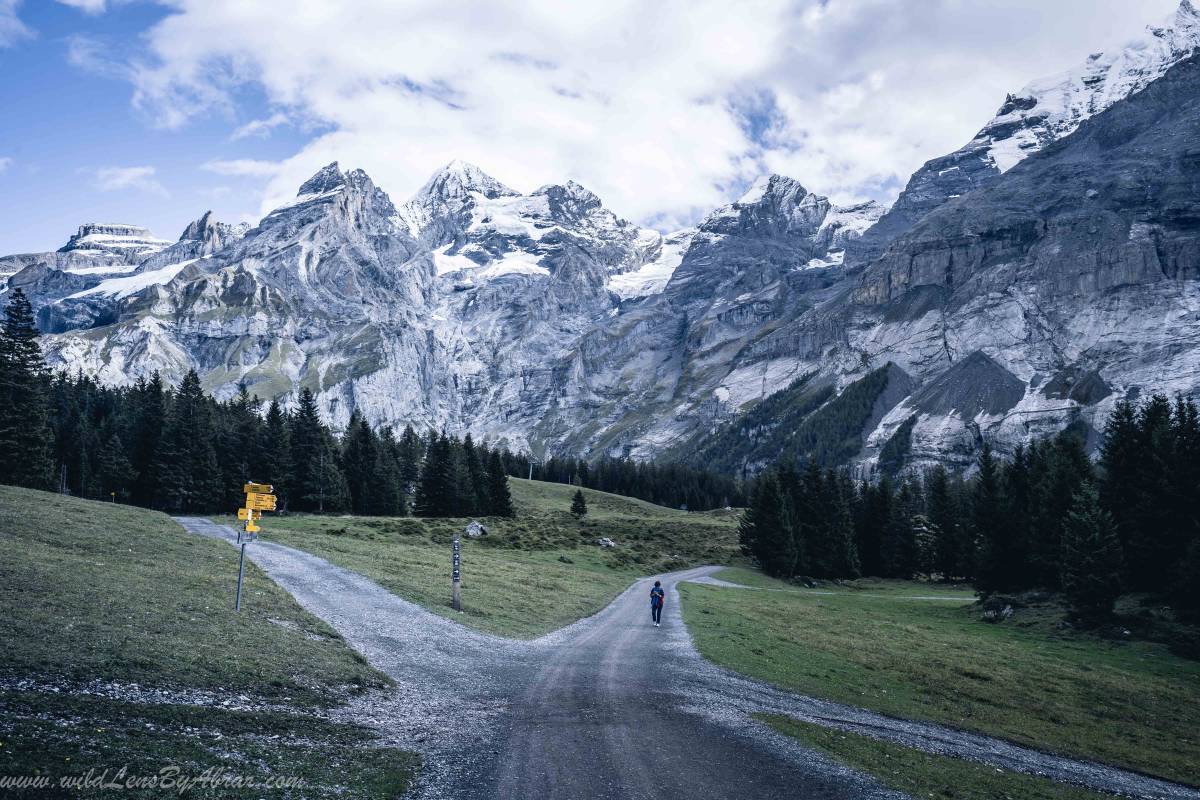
(657, 596)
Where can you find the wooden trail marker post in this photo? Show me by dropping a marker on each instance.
(456, 575)
(259, 498)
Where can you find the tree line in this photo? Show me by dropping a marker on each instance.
(666, 484)
(1046, 518)
(179, 449)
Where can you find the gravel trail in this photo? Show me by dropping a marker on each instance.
(609, 707)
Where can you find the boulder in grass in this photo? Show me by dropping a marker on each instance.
(475, 529)
(604, 541)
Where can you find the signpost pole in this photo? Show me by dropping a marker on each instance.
(259, 498)
(237, 604)
(456, 576)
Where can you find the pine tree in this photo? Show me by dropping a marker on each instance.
(988, 528)
(276, 454)
(147, 422)
(116, 473)
(841, 528)
(578, 504)
(186, 464)
(476, 491)
(871, 522)
(388, 499)
(412, 451)
(767, 531)
(317, 483)
(1148, 553)
(899, 540)
(944, 517)
(499, 497)
(1091, 558)
(436, 488)
(359, 461)
(25, 434)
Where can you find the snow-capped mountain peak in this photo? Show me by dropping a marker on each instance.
(1050, 108)
(458, 180)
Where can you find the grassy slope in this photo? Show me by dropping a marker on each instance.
(92, 590)
(514, 582)
(919, 774)
(1132, 704)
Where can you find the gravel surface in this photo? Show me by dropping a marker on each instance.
(609, 707)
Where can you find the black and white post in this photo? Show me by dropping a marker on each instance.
(237, 603)
(456, 575)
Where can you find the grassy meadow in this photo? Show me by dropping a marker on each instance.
(868, 644)
(92, 590)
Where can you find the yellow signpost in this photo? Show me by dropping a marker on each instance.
(260, 497)
(260, 502)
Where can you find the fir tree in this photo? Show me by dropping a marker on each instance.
(186, 464)
(359, 461)
(148, 419)
(944, 518)
(1091, 558)
(412, 451)
(25, 435)
(115, 471)
(767, 531)
(578, 504)
(276, 454)
(388, 499)
(499, 497)
(988, 525)
(317, 483)
(475, 493)
(436, 488)
(899, 539)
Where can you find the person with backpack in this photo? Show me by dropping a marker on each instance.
(657, 598)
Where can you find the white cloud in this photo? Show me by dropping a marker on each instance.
(244, 167)
(5, 163)
(260, 128)
(664, 109)
(87, 6)
(112, 179)
(12, 30)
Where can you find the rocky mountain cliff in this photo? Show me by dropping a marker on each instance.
(1020, 285)
(1043, 112)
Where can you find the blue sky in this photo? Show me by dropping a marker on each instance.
(153, 112)
(65, 124)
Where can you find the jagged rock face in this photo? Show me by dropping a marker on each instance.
(1041, 113)
(72, 299)
(1067, 284)
(676, 363)
(96, 249)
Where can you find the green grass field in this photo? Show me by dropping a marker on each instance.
(1127, 703)
(919, 774)
(529, 575)
(98, 591)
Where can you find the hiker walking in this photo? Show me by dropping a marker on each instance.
(657, 598)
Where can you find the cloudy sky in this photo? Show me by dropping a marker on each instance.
(152, 112)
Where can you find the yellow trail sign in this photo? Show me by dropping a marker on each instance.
(258, 488)
(246, 513)
(260, 502)
(252, 528)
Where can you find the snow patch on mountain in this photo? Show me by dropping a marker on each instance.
(1051, 108)
(124, 287)
(653, 276)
